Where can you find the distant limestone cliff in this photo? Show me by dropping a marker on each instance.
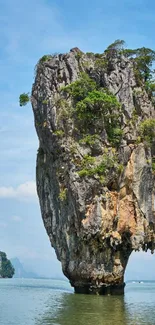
(95, 120)
(20, 272)
(6, 268)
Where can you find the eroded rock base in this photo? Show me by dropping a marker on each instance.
(116, 289)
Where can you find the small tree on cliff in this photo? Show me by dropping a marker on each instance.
(145, 58)
(24, 99)
(117, 45)
(115, 48)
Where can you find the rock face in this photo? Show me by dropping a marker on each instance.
(6, 268)
(93, 223)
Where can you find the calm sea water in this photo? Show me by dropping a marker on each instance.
(50, 302)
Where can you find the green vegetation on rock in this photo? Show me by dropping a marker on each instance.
(45, 58)
(115, 47)
(90, 166)
(97, 104)
(89, 139)
(147, 130)
(79, 89)
(59, 133)
(45, 101)
(150, 88)
(92, 104)
(6, 268)
(24, 99)
(63, 194)
(143, 59)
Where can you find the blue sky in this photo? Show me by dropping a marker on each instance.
(28, 30)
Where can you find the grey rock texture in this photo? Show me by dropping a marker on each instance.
(93, 227)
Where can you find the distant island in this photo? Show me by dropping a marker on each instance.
(6, 268)
(20, 272)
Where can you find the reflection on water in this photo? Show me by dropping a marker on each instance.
(87, 310)
(51, 302)
(135, 308)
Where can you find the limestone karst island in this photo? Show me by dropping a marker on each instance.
(95, 120)
(6, 268)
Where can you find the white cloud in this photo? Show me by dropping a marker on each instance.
(26, 191)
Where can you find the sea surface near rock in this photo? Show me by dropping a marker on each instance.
(48, 302)
(93, 224)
